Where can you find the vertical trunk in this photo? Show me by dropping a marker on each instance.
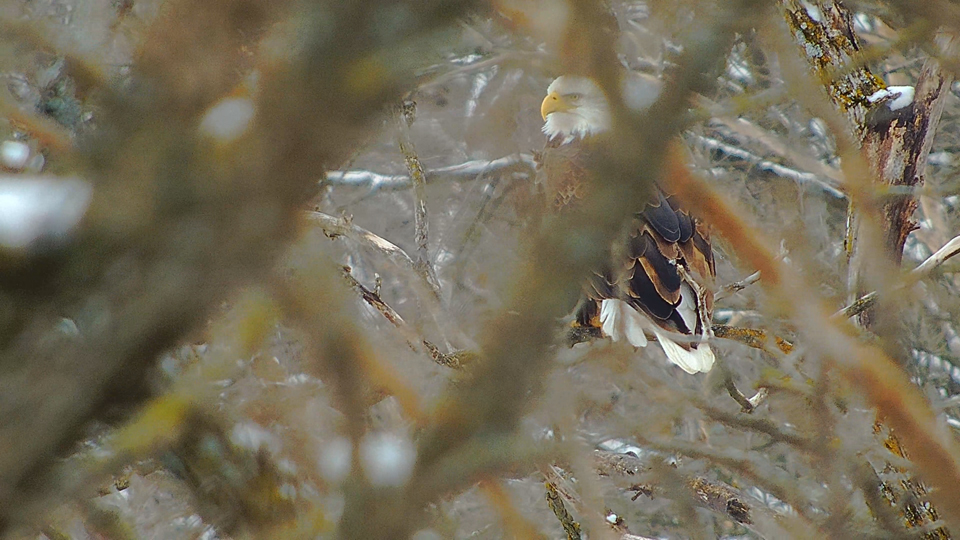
(895, 139)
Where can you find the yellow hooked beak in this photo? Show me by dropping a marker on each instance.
(554, 102)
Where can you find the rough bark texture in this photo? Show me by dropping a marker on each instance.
(895, 145)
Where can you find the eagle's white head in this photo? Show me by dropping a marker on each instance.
(576, 107)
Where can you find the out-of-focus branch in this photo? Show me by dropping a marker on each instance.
(767, 165)
(468, 170)
(762, 425)
(516, 342)
(139, 275)
(516, 525)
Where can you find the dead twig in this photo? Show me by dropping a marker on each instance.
(753, 337)
(747, 405)
(335, 227)
(720, 499)
(468, 170)
(555, 502)
(733, 288)
(925, 268)
(406, 114)
(456, 360)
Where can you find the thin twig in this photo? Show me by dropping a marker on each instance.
(762, 425)
(767, 165)
(772, 142)
(720, 499)
(713, 495)
(925, 268)
(467, 170)
(374, 300)
(335, 227)
(747, 405)
(733, 288)
(456, 360)
(405, 117)
(555, 502)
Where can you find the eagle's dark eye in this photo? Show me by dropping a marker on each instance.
(574, 96)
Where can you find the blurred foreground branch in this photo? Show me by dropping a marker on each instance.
(867, 368)
(515, 343)
(141, 274)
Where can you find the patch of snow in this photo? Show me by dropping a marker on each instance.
(813, 11)
(14, 154)
(40, 208)
(228, 119)
(387, 459)
(900, 96)
(334, 462)
(253, 436)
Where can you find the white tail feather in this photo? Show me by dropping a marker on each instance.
(696, 360)
(618, 320)
(621, 322)
(688, 307)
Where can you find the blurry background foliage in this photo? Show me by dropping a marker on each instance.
(307, 297)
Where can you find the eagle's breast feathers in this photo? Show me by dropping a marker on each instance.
(562, 172)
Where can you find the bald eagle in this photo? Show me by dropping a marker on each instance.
(659, 281)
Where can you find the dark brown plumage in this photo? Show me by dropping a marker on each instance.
(660, 277)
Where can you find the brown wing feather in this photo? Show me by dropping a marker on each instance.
(662, 236)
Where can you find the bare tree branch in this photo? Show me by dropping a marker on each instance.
(468, 170)
(406, 114)
(335, 227)
(733, 288)
(925, 268)
(766, 165)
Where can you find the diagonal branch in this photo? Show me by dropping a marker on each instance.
(867, 368)
(467, 170)
(925, 268)
(406, 114)
(342, 226)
